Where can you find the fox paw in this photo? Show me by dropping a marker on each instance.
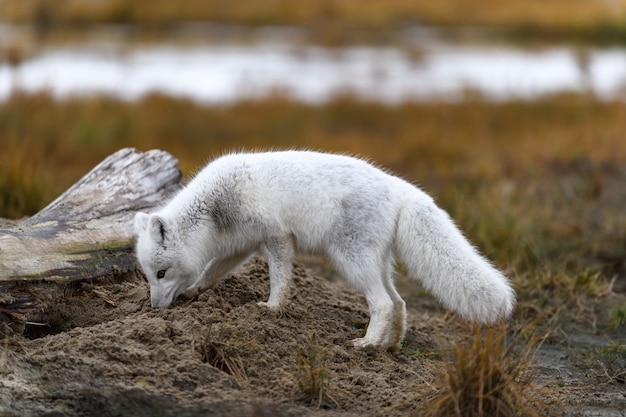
(270, 306)
(275, 308)
(191, 292)
(365, 343)
(362, 342)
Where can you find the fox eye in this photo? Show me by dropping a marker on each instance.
(161, 273)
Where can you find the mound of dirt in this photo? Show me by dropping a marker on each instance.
(107, 353)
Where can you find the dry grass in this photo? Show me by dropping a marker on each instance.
(334, 20)
(537, 186)
(618, 317)
(221, 350)
(23, 183)
(610, 363)
(486, 373)
(312, 374)
(475, 140)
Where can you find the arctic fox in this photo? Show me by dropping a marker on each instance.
(358, 216)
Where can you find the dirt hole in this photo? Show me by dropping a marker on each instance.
(35, 330)
(85, 304)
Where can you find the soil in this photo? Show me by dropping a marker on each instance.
(102, 351)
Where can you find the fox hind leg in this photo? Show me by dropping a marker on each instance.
(388, 321)
(396, 334)
(385, 305)
(381, 318)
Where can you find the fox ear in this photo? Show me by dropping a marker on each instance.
(141, 222)
(154, 224)
(157, 227)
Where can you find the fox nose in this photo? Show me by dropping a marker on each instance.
(157, 301)
(155, 304)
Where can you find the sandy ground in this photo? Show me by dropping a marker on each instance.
(107, 353)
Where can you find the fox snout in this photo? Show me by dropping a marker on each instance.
(159, 300)
(162, 296)
(158, 303)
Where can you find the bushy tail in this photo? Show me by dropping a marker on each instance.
(438, 255)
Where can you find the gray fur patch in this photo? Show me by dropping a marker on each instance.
(223, 205)
(354, 240)
(223, 210)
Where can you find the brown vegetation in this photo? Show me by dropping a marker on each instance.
(488, 374)
(334, 20)
(537, 186)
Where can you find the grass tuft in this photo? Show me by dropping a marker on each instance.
(589, 282)
(222, 354)
(313, 374)
(487, 374)
(612, 361)
(618, 317)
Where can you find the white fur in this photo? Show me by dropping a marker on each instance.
(358, 216)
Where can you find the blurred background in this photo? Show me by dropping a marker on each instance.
(510, 113)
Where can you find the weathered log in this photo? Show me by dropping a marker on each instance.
(86, 233)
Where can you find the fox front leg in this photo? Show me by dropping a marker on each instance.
(279, 253)
(213, 273)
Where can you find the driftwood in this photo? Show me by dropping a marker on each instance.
(85, 234)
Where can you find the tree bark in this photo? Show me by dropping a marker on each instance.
(86, 233)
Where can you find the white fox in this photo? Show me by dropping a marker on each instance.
(356, 215)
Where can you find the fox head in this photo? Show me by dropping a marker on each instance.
(162, 259)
